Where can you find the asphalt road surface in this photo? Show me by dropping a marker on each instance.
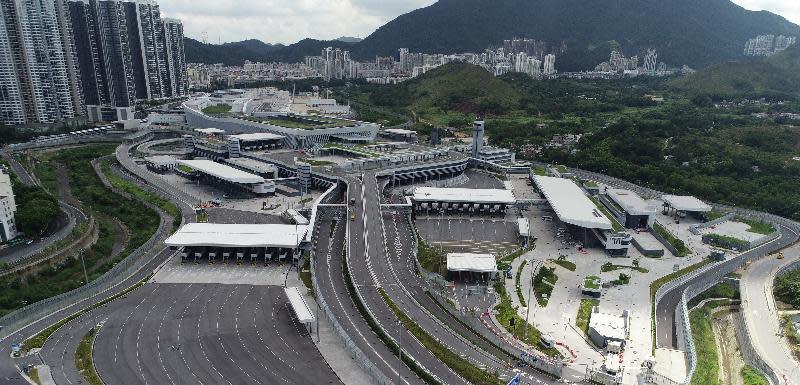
(208, 334)
(761, 316)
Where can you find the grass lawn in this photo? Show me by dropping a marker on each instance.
(585, 314)
(218, 109)
(539, 171)
(758, 227)
(569, 265)
(83, 359)
(543, 284)
(146, 196)
(506, 312)
(518, 282)
(592, 282)
(751, 376)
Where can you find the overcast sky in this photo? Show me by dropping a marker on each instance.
(287, 21)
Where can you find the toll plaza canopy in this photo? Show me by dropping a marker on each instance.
(435, 194)
(477, 263)
(238, 235)
(686, 203)
(221, 171)
(299, 305)
(570, 203)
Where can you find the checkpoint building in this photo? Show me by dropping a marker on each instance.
(251, 242)
(427, 199)
(227, 177)
(637, 212)
(682, 205)
(471, 267)
(583, 218)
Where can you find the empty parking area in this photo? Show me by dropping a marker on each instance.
(470, 234)
(207, 334)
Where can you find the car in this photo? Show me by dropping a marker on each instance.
(352, 201)
(780, 255)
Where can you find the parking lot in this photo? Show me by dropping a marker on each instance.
(496, 235)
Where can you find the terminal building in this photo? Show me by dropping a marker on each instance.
(680, 206)
(239, 242)
(471, 267)
(583, 218)
(399, 134)
(228, 178)
(635, 212)
(427, 199)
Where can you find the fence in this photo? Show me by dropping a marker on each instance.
(355, 352)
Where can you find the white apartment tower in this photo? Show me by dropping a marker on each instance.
(8, 208)
(549, 64)
(37, 70)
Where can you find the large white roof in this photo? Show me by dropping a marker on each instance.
(237, 235)
(210, 130)
(435, 194)
(257, 136)
(252, 164)
(479, 263)
(570, 203)
(299, 305)
(686, 203)
(631, 202)
(399, 131)
(222, 171)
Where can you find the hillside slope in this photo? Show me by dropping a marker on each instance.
(778, 76)
(697, 33)
(255, 50)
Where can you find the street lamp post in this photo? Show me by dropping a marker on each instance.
(86, 278)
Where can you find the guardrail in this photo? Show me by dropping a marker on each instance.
(355, 352)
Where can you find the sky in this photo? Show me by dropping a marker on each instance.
(288, 21)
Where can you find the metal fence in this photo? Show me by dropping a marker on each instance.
(355, 352)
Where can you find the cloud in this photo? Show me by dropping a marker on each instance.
(288, 21)
(282, 21)
(790, 9)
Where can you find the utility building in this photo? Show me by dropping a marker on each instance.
(462, 200)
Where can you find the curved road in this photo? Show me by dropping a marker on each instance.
(761, 317)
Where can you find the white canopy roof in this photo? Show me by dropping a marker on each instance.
(570, 203)
(210, 130)
(435, 194)
(222, 171)
(686, 203)
(238, 235)
(253, 165)
(257, 136)
(299, 305)
(399, 131)
(631, 202)
(479, 263)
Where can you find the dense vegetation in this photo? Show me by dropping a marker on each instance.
(684, 145)
(36, 210)
(17, 290)
(787, 288)
(581, 32)
(236, 53)
(773, 77)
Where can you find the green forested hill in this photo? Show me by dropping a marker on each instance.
(777, 76)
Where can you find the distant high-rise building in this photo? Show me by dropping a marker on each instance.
(650, 60)
(38, 75)
(176, 58)
(766, 45)
(126, 52)
(549, 64)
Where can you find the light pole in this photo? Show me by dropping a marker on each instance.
(528, 310)
(86, 277)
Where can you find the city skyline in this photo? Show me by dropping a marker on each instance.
(286, 23)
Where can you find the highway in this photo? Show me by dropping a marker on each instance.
(761, 317)
(370, 270)
(329, 266)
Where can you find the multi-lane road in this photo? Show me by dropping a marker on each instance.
(761, 316)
